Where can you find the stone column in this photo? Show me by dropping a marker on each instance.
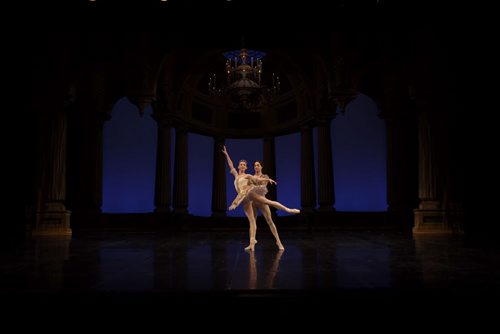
(308, 183)
(52, 217)
(326, 193)
(432, 103)
(163, 167)
(180, 200)
(429, 217)
(219, 200)
(269, 167)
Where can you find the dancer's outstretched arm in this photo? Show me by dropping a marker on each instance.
(229, 162)
(257, 179)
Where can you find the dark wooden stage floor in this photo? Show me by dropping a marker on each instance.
(325, 273)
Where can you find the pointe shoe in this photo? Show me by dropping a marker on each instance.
(280, 246)
(251, 247)
(294, 211)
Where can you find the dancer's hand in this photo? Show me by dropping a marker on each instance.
(224, 150)
(272, 181)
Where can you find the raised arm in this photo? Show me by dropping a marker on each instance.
(257, 179)
(229, 161)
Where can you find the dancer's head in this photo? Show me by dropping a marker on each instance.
(242, 165)
(257, 166)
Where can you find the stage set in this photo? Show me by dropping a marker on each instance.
(126, 191)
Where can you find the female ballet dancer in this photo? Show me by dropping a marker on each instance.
(247, 189)
(261, 188)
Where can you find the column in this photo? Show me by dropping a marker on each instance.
(180, 200)
(219, 200)
(430, 216)
(52, 217)
(326, 193)
(163, 167)
(269, 167)
(431, 100)
(308, 183)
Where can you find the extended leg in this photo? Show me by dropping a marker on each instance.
(259, 199)
(253, 225)
(266, 212)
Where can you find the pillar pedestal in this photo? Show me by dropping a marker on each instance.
(430, 219)
(54, 220)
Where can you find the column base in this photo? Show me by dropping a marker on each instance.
(162, 210)
(53, 221)
(433, 222)
(326, 208)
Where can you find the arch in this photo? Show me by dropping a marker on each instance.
(129, 153)
(359, 157)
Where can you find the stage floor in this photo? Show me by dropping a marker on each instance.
(357, 271)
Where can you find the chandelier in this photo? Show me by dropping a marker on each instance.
(244, 84)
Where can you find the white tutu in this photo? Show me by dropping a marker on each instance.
(259, 190)
(245, 189)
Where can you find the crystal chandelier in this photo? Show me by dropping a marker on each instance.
(244, 80)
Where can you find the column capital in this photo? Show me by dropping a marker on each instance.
(341, 98)
(141, 101)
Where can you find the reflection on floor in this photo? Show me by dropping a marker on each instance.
(361, 271)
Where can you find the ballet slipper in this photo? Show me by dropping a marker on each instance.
(251, 247)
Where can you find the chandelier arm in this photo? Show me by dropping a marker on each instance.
(244, 80)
